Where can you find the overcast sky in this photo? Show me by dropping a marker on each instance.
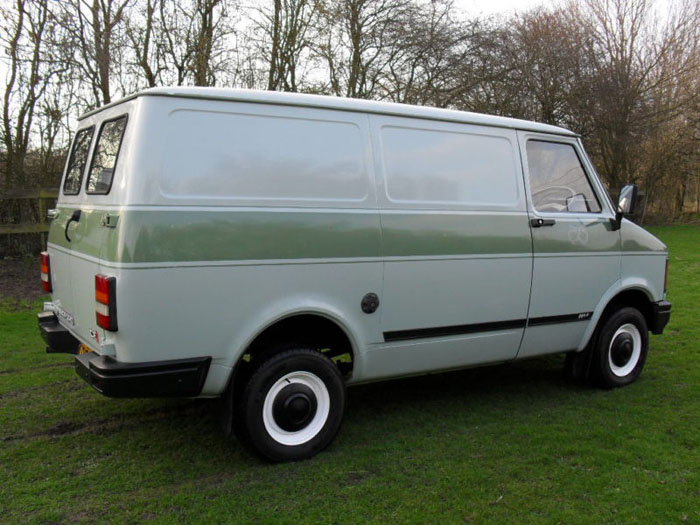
(495, 7)
(492, 7)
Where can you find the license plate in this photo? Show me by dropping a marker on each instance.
(84, 349)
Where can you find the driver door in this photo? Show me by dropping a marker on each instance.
(576, 252)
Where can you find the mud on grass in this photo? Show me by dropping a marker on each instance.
(503, 444)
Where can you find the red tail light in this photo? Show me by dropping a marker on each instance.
(46, 272)
(106, 302)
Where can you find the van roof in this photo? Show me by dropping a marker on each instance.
(338, 103)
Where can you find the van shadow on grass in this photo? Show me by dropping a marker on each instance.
(533, 385)
(192, 427)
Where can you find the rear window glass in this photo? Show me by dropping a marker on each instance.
(77, 161)
(104, 160)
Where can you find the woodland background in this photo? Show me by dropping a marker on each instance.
(619, 72)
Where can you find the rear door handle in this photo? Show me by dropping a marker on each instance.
(75, 217)
(538, 223)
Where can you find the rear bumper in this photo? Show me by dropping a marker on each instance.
(176, 378)
(57, 338)
(660, 315)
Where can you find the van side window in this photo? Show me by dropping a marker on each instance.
(104, 160)
(558, 182)
(438, 167)
(263, 157)
(77, 161)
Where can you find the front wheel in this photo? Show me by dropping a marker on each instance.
(621, 348)
(293, 405)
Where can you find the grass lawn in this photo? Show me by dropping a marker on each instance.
(512, 443)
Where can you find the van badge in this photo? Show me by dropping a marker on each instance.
(370, 303)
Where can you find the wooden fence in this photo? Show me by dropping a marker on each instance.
(23, 222)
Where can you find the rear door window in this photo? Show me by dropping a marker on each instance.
(104, 160)
(558, 182)
(77, 161)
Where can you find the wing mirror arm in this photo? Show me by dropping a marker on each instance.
(616, 222)
(625, 205)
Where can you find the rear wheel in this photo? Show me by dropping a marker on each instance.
(621, 348)
(293, 405)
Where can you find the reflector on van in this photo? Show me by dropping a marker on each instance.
(46, 272)
(106, 302)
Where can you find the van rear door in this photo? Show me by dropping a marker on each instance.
(78, 234)
(64, 225)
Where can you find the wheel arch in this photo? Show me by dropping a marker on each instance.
(281, 328)
(313, 327)
(630, 292)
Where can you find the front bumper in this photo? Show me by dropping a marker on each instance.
(660, 315)
(175, 378)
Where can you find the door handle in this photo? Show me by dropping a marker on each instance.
(538, 223)
(75, 217)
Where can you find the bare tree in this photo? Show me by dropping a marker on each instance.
(287, 28)
(145, 43)
(26, 25)
(96, 29)
(203, 44)
(632, 65)
(359, 39)
(197, 37)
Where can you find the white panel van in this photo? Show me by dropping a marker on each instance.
(273, 248)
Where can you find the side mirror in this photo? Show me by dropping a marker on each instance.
(627, 199)
(625, 204)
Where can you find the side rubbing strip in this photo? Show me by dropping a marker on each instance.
(445, 331)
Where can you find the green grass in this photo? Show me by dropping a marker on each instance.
(504, 444)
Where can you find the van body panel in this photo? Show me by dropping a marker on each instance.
(77, 261)
(439, 354)
(623, 285)
(232, 210)
(637, 239)
(456, 245)
(408, 233)
(649, 273)
(218, 310)
(576, 260)
(181, 234)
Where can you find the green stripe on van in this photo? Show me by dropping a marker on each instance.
(148, 236)
(186, 235)
(411, 234)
